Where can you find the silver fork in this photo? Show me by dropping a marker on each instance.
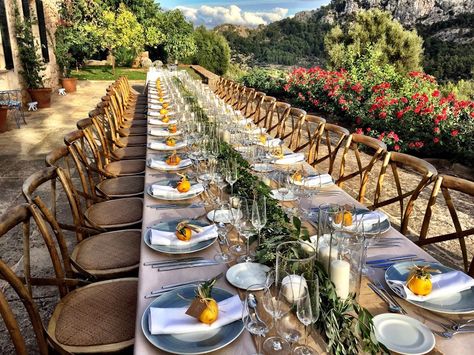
(382, 288)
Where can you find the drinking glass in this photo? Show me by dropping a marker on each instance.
(235, 201)
(307, 310)
(251, 319)
(245, 227)
(259, 214)
(222, 226)
(232, 174)
(283, 188)
(277, 302)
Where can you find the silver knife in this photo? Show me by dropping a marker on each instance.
(185, 266)
(172, 261)
(395, 258)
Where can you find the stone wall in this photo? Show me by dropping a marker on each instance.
(10, 79)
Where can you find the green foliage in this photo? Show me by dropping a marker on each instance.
(464, 89)
(212, 51)
(106, 73)
(235, 72)
(64, 37)
(270, 81)
(28, 52)
(124, 57)
(377, 29)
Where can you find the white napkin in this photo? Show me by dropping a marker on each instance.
(290, 159)
(275, 142)
(155, 106)
(169, 193)
(156, 113)
(169, 238)
(314, 181)
(163, 146)
(159, 164)
(175, 321)
(154, 121)
(160, 132)
(443, 285)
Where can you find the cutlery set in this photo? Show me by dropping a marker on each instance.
(176, 205)
(177, 264)
(385, 263)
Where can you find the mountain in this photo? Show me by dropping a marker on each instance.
(445, 25)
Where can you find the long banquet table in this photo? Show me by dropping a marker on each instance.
(150, 279)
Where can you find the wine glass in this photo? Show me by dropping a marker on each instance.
(259, 214)
(245, 227)
(277, 303)
(232, 175)
(222, 217)
(250, 317)
(235, 201)
(283, 189)
(307, 310)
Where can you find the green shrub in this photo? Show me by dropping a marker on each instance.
(270, 81)
(212, 51)
(124, 57)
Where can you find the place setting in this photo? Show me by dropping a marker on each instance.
(175, 189)
(168, 144)
(170, 162)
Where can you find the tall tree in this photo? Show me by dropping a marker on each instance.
(377, 30)
(212, 51)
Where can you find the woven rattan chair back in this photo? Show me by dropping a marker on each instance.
(454, 191)
(417, 175)
(265, 112)
(311, 133)
(279, 114)
(289, 129)
(359, 144)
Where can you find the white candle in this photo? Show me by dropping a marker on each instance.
(226, 137)
(340, 276)
(325, 258)
(292, 287)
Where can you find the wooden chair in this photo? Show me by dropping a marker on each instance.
(247, 96)
(279, 114)
(231, 92)
(220, 86)
(311, 132)
(99, 317)
(254, 105)
(238, 93)
(333, 138)
(462, 228)
(374, 148)
(289, 129)
(265, 111)
(425, 174)
(96, 255)
(125, 127)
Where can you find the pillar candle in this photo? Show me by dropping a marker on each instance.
(292, 287)
(323, 255)
(340, 276)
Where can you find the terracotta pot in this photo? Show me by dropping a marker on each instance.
(69, 84)
(42, 96)
(3, 118)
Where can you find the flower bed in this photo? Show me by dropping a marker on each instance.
(407, 112)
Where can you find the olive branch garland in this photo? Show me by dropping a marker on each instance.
(346, 326)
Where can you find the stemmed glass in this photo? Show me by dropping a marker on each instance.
(283, 189)
(278, 304)
(259, 213)
(252, 322)
(235, 201)
(222, 218)
(231, 175)
(245, 228)
(307, 310)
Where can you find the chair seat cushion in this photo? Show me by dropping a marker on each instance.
(110, 250)
(116, 213)
(125, 186)
(132, 141)
(126, 167)
(129, 153)
(98, 314)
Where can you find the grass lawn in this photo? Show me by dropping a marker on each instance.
(105, 73)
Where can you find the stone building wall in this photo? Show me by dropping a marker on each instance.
(10, 79)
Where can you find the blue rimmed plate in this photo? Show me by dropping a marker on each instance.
(191, 343)
(174, 249)
(455, 303)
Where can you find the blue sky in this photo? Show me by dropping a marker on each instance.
(247, 12)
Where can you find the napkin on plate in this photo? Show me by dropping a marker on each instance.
(443, 285)
(175, 321)
(169, 238)
(315, 180)
(170, 193)
(290, 159)
(272, 143)
(159, 164)
(154, 121)
(160, 132)
(163, 146)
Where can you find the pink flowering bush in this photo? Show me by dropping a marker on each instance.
(408, 113)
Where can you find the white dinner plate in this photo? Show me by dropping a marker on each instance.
(221, 216)
(159, 132)
(290, 196)
(262, 168)
(244, 275)
(403, 334)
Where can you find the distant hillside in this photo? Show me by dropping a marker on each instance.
(445, 25)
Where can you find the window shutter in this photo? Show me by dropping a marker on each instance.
(7, 48)
(42, 30)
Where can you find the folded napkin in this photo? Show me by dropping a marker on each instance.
(175, 321)
(290, 159)
(275, 142)
(443, 285)
(155, 107)
(169, 238)
(154, 121)
(315, 180)
(160, 132)
(170, 193)
(163, 146)
(245, 121)
(160, 164)
(156, 113)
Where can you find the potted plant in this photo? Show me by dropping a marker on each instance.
(32, 63)
(64, 58)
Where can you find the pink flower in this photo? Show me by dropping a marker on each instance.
(435, 93)
(383, 115)
(396, 147)
(436, 130)
(436, 140)
(359, 131)
(368, 129)
(400, 114)
(454, 132)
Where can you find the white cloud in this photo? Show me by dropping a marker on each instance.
(211, 16)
